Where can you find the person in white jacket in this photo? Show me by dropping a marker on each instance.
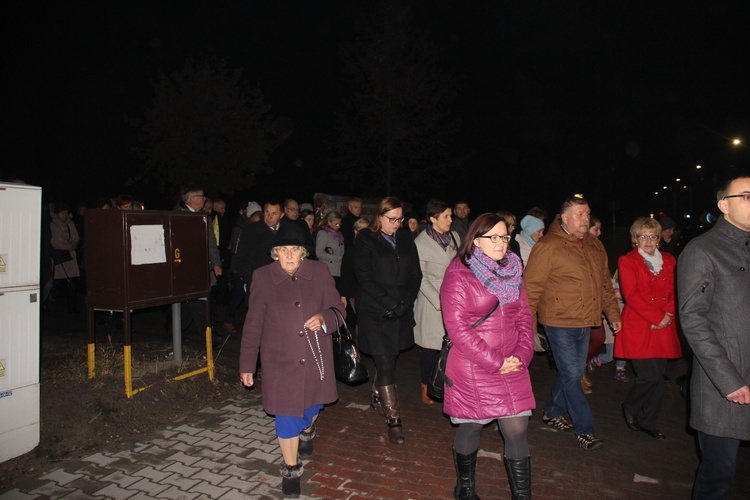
(532, 230)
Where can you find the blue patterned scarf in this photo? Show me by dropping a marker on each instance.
(444, 240)
(502, 278)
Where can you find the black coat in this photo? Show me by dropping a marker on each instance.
(253, 249)
(385, 277)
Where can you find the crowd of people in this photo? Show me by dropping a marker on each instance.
(405, 280)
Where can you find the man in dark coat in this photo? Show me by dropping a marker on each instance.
(193, 200)
(353, 213)
(713, 290)
(256, 240)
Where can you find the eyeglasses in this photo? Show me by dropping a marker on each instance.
(496, 238)
(646, 237)
(743, 195)
(394, 220)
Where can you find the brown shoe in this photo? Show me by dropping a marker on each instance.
(229, 327)
(586, 384)
(426, 399)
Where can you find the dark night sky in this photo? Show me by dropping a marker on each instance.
(605, 98)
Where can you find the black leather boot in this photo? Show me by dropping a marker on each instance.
(290, 475)
(392, 412)
(466, 465)
(519, 477)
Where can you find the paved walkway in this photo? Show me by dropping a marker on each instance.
(229, 451)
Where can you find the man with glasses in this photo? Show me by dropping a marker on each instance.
(193, 199)
(568, 284)
(713, 291)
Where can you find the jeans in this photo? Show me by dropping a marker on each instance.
(608, 355)
(569, 347)
(718, 464)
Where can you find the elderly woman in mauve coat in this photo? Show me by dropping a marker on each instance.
(288, 322)
(649, 335)
(489, 323)
(386, 265)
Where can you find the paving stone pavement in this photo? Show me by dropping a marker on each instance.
(229, 451)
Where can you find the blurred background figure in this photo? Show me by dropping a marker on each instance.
(532, 230)
(353, 213)
(597, 360)
(348, 282)
(124, 202)
(510, 220)
(667, 241)
(598, 334)
(238, 288)
(411, 221)
(64, 241)
(329, 245)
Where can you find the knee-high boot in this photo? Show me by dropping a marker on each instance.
(519, 477)
(465, 466)
(392, 411)
(375, 398)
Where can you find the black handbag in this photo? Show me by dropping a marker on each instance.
(60, 256)
(347, 363)
(438, 378)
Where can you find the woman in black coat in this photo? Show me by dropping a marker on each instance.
(386, 265)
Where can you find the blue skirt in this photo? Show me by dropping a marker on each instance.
(289, 427)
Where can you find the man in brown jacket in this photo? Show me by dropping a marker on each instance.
(568, 284)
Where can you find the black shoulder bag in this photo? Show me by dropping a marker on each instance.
(438, 379)
(347, 362)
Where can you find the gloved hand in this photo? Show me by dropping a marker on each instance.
(401, 310)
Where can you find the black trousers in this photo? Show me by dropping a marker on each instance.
(644, 399)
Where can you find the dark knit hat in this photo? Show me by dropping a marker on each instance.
(666, 223)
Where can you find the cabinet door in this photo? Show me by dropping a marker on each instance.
(190, 265)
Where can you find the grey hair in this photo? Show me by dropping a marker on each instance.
(332, 216)
(275, 251)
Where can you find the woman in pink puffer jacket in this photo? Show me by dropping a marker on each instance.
(492, 349)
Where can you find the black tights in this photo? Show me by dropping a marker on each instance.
(385, 367)
(512, 429)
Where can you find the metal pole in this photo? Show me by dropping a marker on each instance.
(177, 332)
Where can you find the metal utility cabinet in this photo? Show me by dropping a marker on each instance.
(139, 259)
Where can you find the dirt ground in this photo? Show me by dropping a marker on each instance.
(80, 415)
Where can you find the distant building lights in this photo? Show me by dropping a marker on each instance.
(698, 167)
(737, 142)
(664, 187)
(677, 179)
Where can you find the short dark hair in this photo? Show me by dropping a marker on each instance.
(538, 212)
(572, 201)
(435, 207)
(723, 189)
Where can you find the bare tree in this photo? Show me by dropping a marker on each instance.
(396, 128)
(206, 125)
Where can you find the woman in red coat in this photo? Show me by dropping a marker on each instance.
(289, 321)
(488, 320)
(648, 335)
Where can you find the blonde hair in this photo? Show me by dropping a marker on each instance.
(641, 223)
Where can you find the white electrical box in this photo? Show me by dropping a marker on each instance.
(20, 230)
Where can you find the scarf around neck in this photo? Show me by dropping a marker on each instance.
(334, 234)
(654, 262)
(502, 278)
(444, 240)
